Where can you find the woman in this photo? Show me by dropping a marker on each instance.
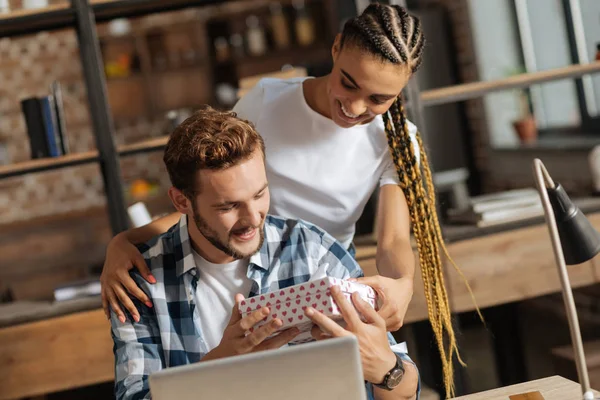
(329, 141)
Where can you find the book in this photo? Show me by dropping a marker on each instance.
(499, 208)
(36, 130)
(503, 200)
(76, 290)
(51, 130)
(59, 112)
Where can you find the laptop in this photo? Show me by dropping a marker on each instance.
(325, 370)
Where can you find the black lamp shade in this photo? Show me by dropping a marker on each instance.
(580, 241)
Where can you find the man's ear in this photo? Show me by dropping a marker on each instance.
(180, 201)
(337, 46)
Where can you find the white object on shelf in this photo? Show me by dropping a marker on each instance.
(4, 6)
(139, 215)
(32, 4)
(119, 27)
(77, 290)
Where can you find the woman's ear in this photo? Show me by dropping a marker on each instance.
(180, 201)
(337, 46)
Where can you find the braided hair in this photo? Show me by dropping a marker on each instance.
(390, 33)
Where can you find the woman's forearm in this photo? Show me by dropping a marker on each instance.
(154, 228)
(395, 259)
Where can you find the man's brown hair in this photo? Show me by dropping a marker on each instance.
(209, 139)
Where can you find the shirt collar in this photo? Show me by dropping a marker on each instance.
(185, 259)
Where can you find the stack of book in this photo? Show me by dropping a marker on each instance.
(500, 208)
(77, 290)
(44, 118)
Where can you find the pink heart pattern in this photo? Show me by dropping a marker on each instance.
(291, 302)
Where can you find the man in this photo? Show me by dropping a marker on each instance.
(226, 246)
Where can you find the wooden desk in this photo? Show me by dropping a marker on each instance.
(500, 268)
(55, 354)
(76, 349)
(552, 388)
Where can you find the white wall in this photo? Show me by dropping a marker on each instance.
(590, 11)
(497, 53)
(551, 49)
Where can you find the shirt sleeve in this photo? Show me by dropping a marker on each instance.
(342, 264)
(390, 175)
(249, 107)
(138, 352)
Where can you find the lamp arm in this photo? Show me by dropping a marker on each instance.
(543, 181)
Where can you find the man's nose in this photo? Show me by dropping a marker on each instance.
(253, 215)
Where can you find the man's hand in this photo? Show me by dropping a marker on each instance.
(121, 256)
(376, 356)
(395, 295)
(235, 341)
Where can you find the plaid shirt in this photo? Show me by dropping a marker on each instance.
(168, 334)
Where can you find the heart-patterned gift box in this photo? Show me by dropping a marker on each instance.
(288, 304)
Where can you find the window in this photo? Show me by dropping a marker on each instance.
(537, 35)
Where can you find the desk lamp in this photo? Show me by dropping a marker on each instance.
(574, 241)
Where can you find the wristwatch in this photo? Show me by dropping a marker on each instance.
(393, 378)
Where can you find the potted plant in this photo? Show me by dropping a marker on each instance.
(525, 126)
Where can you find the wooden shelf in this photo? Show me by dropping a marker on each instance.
(473, 90)
(47, 164)
(154, 144)
(22, 22)
(131, 77)
(42, 12)
(51, 163)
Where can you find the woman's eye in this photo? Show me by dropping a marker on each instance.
(347, 85)
(377, 101)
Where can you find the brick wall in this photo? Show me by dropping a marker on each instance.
(53, 225)
(28, 65)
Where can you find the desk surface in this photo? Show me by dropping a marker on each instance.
(552, 388)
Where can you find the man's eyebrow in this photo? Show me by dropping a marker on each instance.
(350, 78)
(229, 203)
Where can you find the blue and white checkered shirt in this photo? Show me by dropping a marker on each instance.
(168, 334)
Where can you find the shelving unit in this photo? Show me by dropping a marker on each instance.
(83, 15)
(22, 22)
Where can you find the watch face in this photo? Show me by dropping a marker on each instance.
(395, 378)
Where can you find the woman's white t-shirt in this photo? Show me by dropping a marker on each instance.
(317, 171)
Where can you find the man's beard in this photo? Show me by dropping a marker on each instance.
(227, 248)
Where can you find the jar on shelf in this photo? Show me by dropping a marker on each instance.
(279, 26)
(255, 36)
(222, 53)
(237, 45)
(304, 24)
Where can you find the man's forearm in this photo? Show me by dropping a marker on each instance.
(406, 390)
(154, 228)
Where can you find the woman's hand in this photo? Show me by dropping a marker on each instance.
(121, 256)
(395, 295)
(376, 356)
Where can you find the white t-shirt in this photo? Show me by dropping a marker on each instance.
(317, 171)
(217, 286)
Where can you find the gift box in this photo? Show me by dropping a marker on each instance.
(288, 304)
